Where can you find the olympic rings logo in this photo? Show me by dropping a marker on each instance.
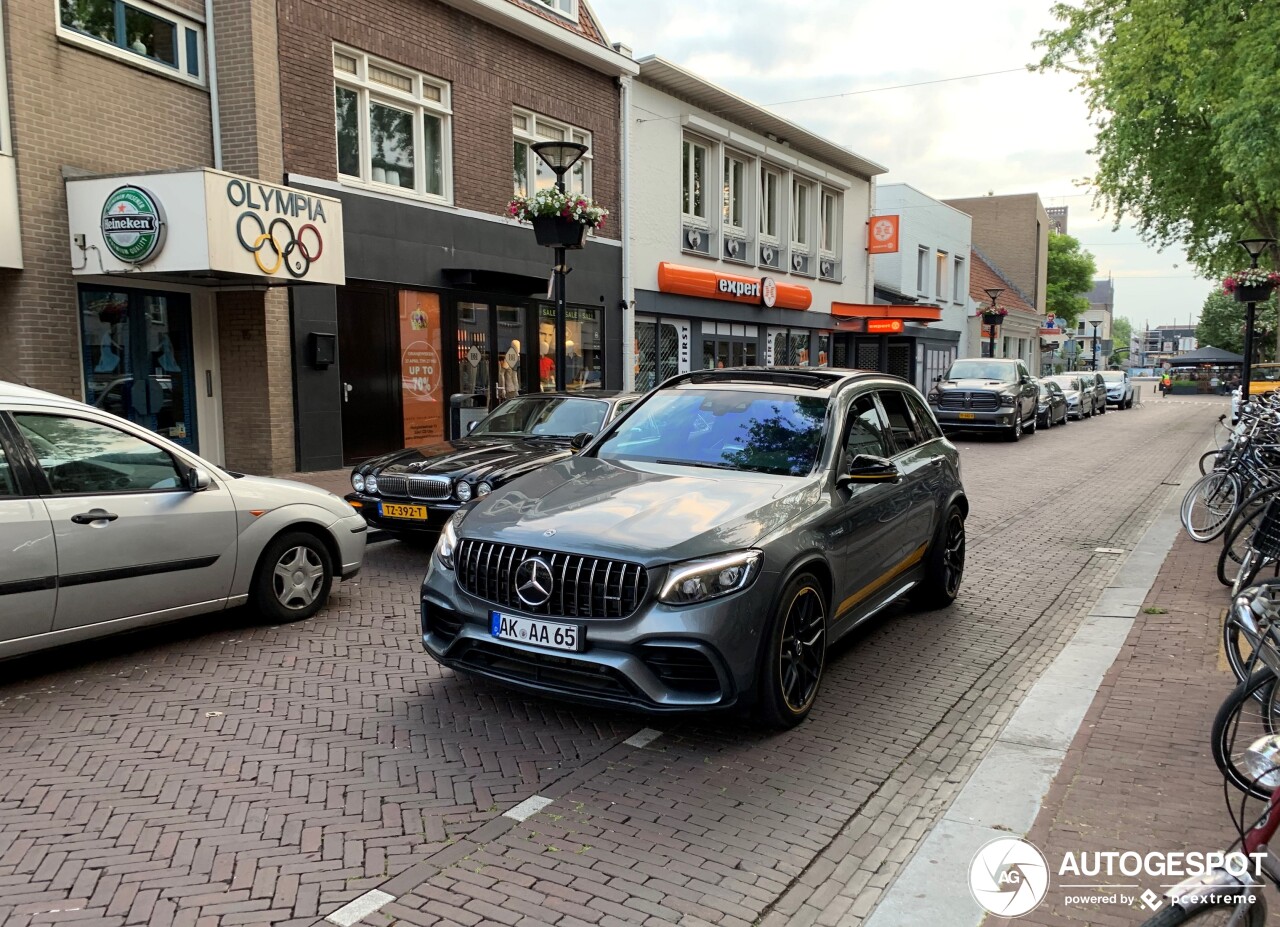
(296, 253)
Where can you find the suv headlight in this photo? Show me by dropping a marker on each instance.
(357, 482)
(462, 489)
(934, 397)
(448, 542)
(710, 577)
(1006, 400)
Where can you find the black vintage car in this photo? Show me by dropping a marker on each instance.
(418, 488)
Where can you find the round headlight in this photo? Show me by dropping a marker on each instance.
(1262, 761)
(463, 491)
(357, 482)
(482, 490)
(371, 483)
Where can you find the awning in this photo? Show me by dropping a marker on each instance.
(915, 313)
(204, 227)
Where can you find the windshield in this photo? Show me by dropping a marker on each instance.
(1113, 376)
(543, 416)
(1265, 373)
(983, 370)
(777, 433)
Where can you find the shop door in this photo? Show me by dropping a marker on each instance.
(368, 355)
(138, 359)
(492, 362)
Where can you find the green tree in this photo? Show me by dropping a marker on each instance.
(1121, 338)
(1070, 277)
(1222, 326)
(1185, 95)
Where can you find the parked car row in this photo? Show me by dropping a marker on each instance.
(1000, 395)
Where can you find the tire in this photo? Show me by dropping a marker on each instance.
(1248, 713)
(944, 564)
(1209, 504)
(1015, 431)
(1238, 649)
(1239, 532)
(1207, 461)
(1250, 566)
(293, 577)
(794, 655)
(1212, 916)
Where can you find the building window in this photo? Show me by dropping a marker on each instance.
(940, 272)
(154, 37)
(392, 126)
(770, 186)
(801, 200)
(530, 128)
(693, 186)
(922, 270)
(735, 193)
(568, 8)
(830, 241)
(957, 282)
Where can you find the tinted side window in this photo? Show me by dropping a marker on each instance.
(8, 485)
(80, 456)
(864, 433)
(901, 426)
(926, 425)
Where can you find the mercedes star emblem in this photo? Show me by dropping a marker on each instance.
(534, 582)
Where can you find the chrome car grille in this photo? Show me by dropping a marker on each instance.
(427, 488)
(959, 399)
(583, 587)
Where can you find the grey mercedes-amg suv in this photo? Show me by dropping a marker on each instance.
(707, 548)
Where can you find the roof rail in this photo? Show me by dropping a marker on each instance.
(804, 377)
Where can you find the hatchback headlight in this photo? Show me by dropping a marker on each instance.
(462, 489)
(710, 577)
(357, 482)
(371, 484)
(482, 490)
(448, 542)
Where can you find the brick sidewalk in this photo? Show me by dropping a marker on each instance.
(1139, 775)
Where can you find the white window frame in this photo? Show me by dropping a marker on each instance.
(837, 222)
(957, 284)
(798, 183)
(528, 135)
(566, 8)
(940, 263)
(181, 22)
(922, 269)
(417, 104)
(731, 192)
(771, 207)
(686, 177)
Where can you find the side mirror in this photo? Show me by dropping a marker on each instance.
(198, 480)
(580, 440)
(938, 378)
(471, 426)
(867, 468)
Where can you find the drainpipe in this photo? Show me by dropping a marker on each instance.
(628, 291)
(211, 68)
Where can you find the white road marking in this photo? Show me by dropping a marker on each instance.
(353, 912)
(643, 737)
(527, 808)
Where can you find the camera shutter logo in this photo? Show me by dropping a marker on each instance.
(133, 224)
(1008, 877)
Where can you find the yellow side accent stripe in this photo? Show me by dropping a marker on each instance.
(912, 559)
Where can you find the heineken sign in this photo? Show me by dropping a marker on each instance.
(133, 224)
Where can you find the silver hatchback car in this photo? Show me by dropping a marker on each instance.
(106, 526)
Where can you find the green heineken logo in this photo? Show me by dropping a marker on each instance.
(132, 224)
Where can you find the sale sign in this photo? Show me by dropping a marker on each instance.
(421, 374)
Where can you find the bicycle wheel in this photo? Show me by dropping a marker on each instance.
(1218, 915)
(1250, 711)
(1207, 461)
(1209, 503)
(1239, 531)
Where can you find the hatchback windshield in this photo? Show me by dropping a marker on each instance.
(539, 416)
(982, 370)
(762, 432)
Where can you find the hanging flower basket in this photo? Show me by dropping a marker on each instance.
(992, 318)
(557, 232)
(1251, 285)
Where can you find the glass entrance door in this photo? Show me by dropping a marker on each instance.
(138, 358)
(492, 362)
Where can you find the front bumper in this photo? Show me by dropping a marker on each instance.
(437, 513)
(950, 419)
(661, 659)
(1116, 399)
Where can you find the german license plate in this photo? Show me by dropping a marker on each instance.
(392, 510)
(534, 631)
(966, 416)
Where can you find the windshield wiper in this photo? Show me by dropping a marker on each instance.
(696, 463)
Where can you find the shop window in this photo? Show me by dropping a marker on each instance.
(788, 348)
(735, 193)
(694, 180)
(657, 353)
(801, 200)
(830, 242)
(566, 8)
(583, 348)
(824, 349)
(392, 126)
(151, 36)
(529, 173)
(770, 207)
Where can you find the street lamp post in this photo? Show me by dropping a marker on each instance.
(1255, 247)
(560, 157)
(1095, 323)
(994, 292)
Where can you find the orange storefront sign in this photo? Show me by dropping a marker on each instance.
(885, 326)
(707, 284)
(882, 235)
(421, 371)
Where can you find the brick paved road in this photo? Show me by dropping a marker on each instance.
(223, 772)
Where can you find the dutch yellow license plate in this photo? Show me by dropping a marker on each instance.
(391, 510)
(963, 415)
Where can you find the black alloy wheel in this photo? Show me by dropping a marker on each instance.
(1015, 432)
(796, 654)
(944, 569)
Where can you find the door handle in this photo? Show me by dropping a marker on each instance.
(89, 517)
(346, 392)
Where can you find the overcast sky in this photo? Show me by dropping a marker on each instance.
(1005, 133)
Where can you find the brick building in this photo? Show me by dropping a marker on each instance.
(272, 229)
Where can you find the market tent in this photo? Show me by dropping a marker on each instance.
(1207, 355)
